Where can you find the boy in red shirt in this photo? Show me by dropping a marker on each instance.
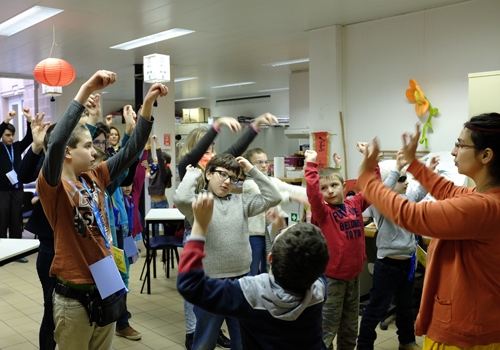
(342, 225)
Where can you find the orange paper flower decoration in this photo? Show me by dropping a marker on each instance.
(54, 72)
(415, 95)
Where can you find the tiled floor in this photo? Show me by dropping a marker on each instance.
(159, 316)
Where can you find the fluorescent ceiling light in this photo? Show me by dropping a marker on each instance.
(184, 79)
(28, 18)
(281, 89)
(284, 63)
(151, 39)
(190, 99)
(229, 85)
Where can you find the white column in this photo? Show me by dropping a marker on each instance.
(325, 84)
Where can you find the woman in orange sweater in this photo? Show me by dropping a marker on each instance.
(461, 299)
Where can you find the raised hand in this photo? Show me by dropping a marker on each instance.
(100, 80)
(370, 160)
(244, 164)
(433, 163)
(93, 105)
(310, 155)
(400, 161)
(301, 199)
(203, 208)
(231, 123)
(265, 119)
(156, 90)
(38, 131)
(109, 120)
(10, 116)
(362, 146)
(129, 116)
(27, 114)
(410, 144)
(276, 218)
(337, 160)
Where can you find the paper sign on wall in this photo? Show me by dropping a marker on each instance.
(166, 140)
(321, 144)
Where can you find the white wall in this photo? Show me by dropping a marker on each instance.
(437, 48)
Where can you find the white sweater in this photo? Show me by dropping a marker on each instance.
(257, 223)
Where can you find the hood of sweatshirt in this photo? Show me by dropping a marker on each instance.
(263, 293)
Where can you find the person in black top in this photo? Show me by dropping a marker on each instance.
(12, 194)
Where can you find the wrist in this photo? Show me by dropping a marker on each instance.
(36, 148)
(256, 128)
(216, 127)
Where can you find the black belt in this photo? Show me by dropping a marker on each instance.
(67, 292)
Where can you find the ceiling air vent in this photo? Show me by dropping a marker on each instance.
(243, 100)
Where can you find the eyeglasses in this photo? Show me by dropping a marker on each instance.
(261, 163)
(459, 145)
(402, 179)
(98, 143)
(224, 176)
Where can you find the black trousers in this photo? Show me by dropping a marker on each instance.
(11, 215)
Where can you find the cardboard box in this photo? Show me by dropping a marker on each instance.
(195, 115)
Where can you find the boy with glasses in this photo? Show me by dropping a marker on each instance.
(228, 252)
(394, 270)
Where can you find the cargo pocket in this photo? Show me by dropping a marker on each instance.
(442, 310)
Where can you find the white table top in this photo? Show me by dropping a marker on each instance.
(165, 214)
(10, 247)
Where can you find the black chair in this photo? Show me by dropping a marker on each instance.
(168, 244)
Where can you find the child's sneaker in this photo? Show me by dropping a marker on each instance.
(409, 347)
(222, 341)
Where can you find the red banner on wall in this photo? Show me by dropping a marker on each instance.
(321, 144)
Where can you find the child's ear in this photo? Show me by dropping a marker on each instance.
(270, 257)
(208, 175)
(68, 153)
(344, 186)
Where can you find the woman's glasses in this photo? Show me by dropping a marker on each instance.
(98, 143)
(459, 145)
(261, 163)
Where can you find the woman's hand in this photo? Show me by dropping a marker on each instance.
(231, 123)
(370, 160)
(265, 119)
(410, 144)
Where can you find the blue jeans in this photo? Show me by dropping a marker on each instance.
(43, 262)
(188, 307)
(159, 205)
(259, 258)
(207, 329)
(390, 278)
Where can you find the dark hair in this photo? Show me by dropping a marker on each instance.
(329, 172)
(487, 139)
(46, 138)
(11, 128)
(167, 158)
(300, 257)
(224, 160)
(101, 129)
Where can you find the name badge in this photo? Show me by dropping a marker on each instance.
(131, 249)
(107, 277)
(12, 176)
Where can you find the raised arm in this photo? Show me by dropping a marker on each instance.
(318, 206)
(128, 154)
(27, 169)
(54, 159)
(244, 141)
(269, 196)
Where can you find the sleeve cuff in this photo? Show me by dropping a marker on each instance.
(196, 239)
(253, 127)
(216, 128)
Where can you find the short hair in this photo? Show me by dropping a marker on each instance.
(75, 137)
(101, 155)
(10, 127)
(224, 160)
(300, 257)
(328, 172)
(487, 139)
(101, 129)
(251, 152)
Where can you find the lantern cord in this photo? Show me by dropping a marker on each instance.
(53, 40)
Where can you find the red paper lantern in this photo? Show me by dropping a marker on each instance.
(54, 72)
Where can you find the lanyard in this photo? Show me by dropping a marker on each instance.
(11, 154)
(95, 210)
(130, 211)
